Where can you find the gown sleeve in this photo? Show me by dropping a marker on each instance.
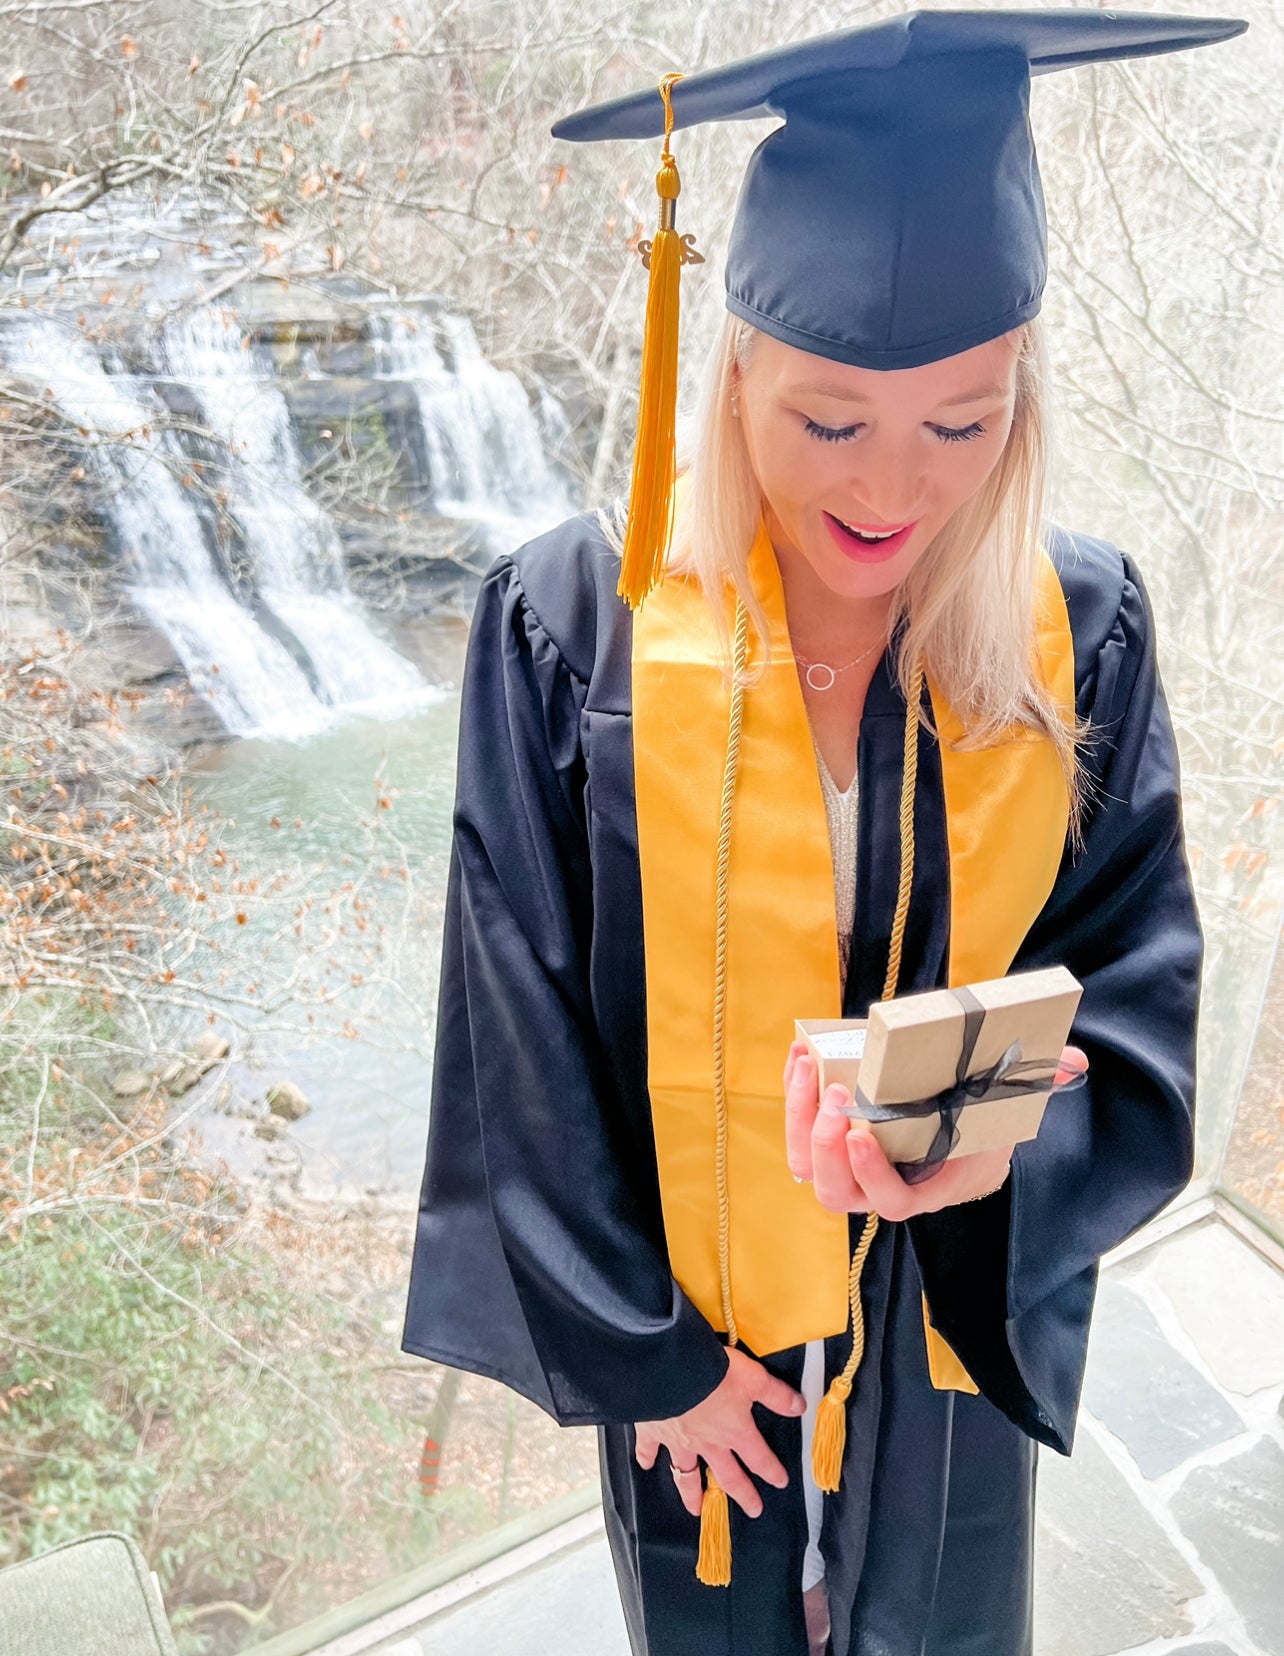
(1011, 1279)
(534, 1261)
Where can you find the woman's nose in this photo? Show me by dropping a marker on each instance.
(887, 488)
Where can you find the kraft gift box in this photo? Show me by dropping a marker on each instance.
(902, 1063)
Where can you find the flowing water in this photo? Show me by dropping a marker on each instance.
(247, 675)
(298, 557)
(484, 448)
(292, 652)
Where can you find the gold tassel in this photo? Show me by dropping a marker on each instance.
(713, 1564)
(830, 1437)
(650, 517)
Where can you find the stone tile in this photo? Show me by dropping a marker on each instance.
(1204, 1650)
(568, 1605)
(1234, 1514)
(1148, 1395)
(1106, 1576)
(1229, 1301)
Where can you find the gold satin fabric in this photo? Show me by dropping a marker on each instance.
(788, 1256)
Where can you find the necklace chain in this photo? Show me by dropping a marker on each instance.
(823, 668)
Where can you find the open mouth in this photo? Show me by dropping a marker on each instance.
(867, 544)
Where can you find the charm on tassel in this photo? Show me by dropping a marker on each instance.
(713, 1564)
(649, 528)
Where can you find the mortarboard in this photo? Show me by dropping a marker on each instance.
(896, 218)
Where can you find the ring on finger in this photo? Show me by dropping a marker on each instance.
(684, 1471)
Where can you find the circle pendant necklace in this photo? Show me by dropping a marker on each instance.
(820, 676)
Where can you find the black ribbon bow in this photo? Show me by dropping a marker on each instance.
(1012, 1076)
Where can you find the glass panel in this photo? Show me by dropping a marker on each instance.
(1167, 364)
(1254, 1169)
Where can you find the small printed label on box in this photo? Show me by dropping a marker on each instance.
(840, 1043)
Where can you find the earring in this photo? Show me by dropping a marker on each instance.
(735, 406)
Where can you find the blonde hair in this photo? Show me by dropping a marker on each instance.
(965, 611)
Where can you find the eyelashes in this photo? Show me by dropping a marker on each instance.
(947, 434)
(827, 434)
(959, 434)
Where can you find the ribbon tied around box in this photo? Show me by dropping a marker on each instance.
(1012, 1075)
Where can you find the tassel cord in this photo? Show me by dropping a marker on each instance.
(829, 1440)
(722, 894)
(713, 1564)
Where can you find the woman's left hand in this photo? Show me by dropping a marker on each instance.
(845, 1162)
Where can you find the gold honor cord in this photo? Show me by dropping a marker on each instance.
(713, 1564)
(830, 1437)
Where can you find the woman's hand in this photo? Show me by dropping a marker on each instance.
(845, 1162)
(721, 1430)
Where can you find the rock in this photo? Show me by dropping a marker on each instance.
(1149, 1396)
(131, 1083)
(1106, 1576)
(271, 1128)
(1233, 1512)
(168, 1073)
(223, 1099)
(208, 1048)
(205, 1051)
(132, 652)
(1229, 1302)
(287, 1101)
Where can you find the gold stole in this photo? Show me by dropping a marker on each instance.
(1007, 815)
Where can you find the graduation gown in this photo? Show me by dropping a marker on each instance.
(540, 1256)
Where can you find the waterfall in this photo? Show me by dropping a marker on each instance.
(249, 678)
(297, 556)
(300, 650)
(483, 444)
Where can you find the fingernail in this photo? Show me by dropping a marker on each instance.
(833, 1100)
(858, 1143)
(800, 1404)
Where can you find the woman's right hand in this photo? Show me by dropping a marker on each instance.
(721, 1430)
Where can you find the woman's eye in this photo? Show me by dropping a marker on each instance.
(831, 434)
(959, 434)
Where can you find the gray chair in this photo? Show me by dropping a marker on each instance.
(92, 1597)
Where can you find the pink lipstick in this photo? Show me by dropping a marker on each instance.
(864, 543)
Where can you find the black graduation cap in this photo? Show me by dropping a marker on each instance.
(896, 217)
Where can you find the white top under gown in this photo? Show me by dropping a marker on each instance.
(840, 809)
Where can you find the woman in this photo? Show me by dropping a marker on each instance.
(941, 745)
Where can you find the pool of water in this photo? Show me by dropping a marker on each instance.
(327, 972)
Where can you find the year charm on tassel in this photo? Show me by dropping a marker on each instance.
(688, 252)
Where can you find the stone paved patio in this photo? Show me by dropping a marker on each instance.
(1164, 1533)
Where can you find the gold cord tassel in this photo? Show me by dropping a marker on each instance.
(830, 1437)
(829, 1441)
(650, 518)
(713, 1564)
